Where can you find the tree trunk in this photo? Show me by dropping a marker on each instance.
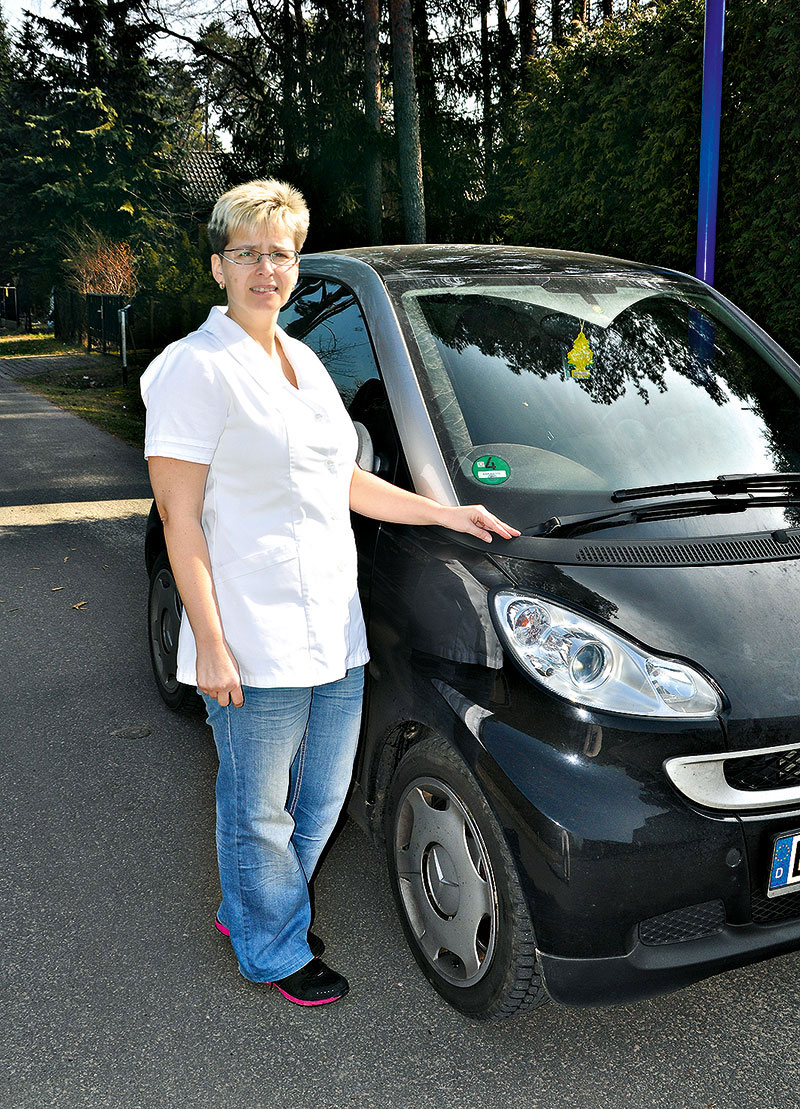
(372, 100)
(607, 9)
(556, 22)
(527, 30)
(486, 92)
(302, 55)
(423, 67)
(505, 41)
(289, 84)
(406, 114)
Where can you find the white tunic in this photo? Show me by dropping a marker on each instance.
(276, 510)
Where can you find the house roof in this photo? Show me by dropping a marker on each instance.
(206, 174)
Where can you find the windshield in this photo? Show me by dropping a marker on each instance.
(586, 385)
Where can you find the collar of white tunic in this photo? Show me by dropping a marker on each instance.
(250, 354)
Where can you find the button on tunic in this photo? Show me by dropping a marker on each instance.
(276, 509)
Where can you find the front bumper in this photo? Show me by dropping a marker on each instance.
(650, 970)
(634, 889)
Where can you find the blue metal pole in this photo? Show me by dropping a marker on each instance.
(713, 45)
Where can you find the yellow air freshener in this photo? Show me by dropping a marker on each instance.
(581, 357)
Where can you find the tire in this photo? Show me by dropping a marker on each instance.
(457, 889)
(164, 610)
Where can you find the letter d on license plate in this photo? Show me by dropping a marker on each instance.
(784, 875)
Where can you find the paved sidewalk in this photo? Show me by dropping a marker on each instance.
(51, 458)
(19, 367)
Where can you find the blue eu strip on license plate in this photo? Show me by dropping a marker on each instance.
(784, 874)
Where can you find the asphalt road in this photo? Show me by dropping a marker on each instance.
(117, 990)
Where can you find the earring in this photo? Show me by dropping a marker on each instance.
(222, 284)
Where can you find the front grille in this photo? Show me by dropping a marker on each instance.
(683, 924)
(778, 770)
(774, 910)
(698, 552)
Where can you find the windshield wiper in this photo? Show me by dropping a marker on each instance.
(564, 526)
(725, 483)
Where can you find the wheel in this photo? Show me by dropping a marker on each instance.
(164, 611)
(457, 889)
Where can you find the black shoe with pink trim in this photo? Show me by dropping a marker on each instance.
(313, 984)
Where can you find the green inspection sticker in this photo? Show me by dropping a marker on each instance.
(491, 470)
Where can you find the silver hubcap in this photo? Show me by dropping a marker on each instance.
(446, 881)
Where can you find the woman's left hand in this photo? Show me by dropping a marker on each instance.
(380, 500)
(474, 519)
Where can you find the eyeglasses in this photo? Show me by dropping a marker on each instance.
(243, 256)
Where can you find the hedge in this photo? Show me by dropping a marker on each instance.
(609, 159)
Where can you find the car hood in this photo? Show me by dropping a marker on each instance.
(740, 623)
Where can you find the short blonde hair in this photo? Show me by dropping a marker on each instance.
(259, 205)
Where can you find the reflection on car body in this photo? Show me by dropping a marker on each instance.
(582, 746)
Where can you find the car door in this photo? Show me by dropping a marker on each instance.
(326, 315)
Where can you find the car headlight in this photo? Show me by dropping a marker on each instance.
(591, 665)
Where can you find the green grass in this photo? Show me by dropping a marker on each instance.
(95, 391)
(101, 399)
(28, 345)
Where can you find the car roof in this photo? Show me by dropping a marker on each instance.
(428, 260)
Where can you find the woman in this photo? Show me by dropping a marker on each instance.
(252, 463)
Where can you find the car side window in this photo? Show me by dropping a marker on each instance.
(327, 316)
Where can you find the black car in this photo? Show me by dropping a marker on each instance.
(581, 747)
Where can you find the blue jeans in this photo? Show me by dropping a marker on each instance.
(285, 764)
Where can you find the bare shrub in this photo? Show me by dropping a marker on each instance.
(97, 264)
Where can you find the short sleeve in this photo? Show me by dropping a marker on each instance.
(186, 402)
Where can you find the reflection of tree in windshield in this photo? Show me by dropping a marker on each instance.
(636, 350)
(497, 327)
(619, 361)
(643, 345)
(646, 340)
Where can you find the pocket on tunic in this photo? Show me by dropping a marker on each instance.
(257, 560)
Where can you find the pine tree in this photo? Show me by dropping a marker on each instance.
(25, 94)
(86, 145)
(5, 58)
(107, 140)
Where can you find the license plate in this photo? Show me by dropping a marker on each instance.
(784, 876)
